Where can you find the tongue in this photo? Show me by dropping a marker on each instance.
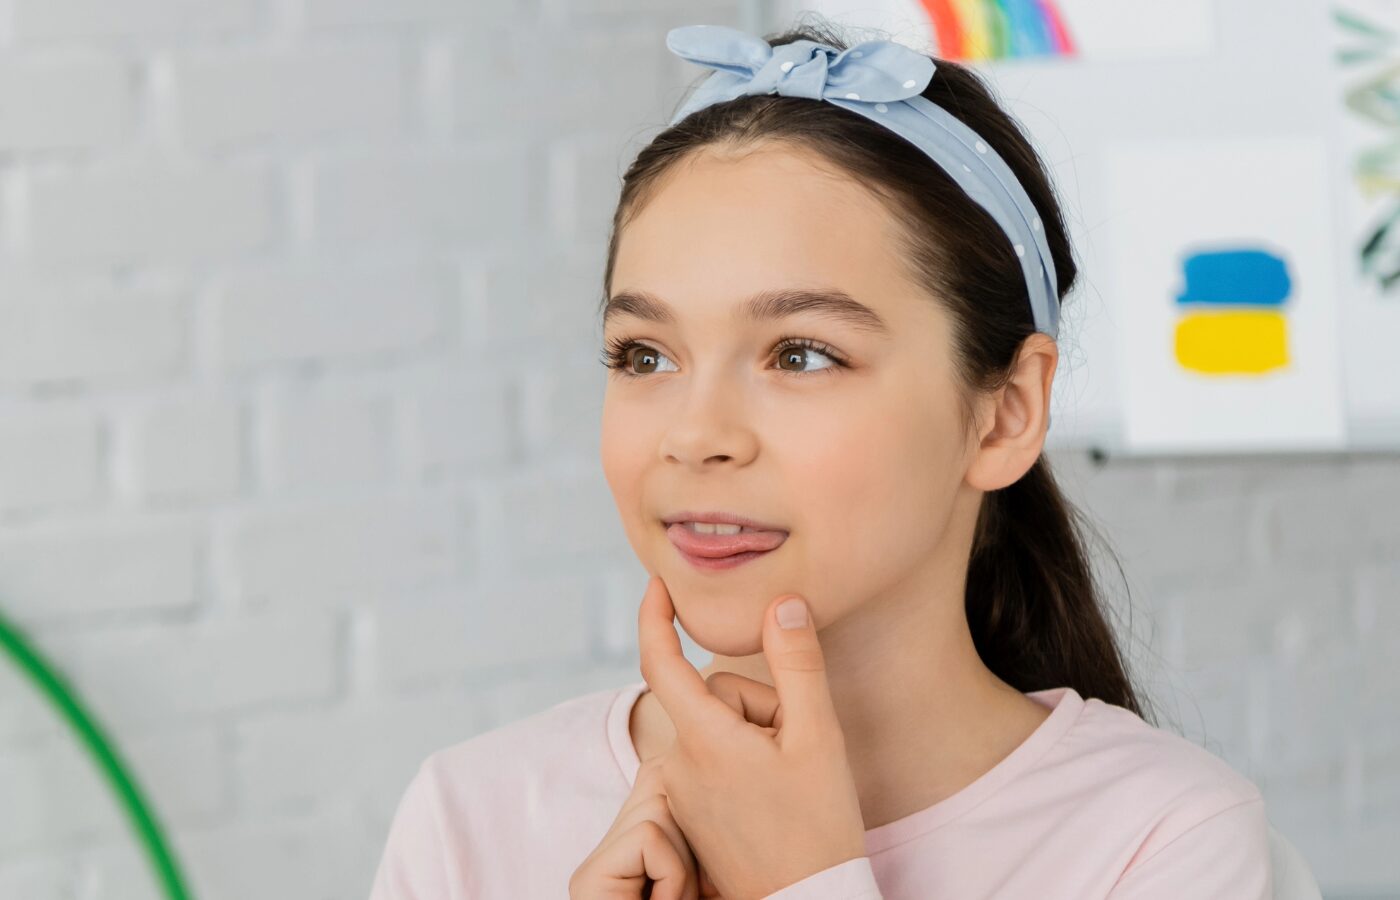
(716, 546)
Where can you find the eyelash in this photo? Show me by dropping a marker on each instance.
(615, 355)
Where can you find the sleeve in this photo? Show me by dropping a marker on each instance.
(853, 879)
(1224, 856)
(413, 864)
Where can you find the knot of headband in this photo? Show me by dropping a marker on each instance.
(883, 81)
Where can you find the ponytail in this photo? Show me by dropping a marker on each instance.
(1031, 601)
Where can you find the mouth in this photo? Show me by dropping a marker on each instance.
(722, 551)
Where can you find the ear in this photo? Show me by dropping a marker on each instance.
(1013, 421)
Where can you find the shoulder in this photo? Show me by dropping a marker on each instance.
(1173, 785)
(562, 753)
(558, 731)
(1155, 759)
(473, 804)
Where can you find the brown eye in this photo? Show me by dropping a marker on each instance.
(644, 353)
(621, 356)
(801, 352)
(791, 354)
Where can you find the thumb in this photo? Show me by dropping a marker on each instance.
(798, 667)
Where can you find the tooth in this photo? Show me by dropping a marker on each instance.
(714, 528)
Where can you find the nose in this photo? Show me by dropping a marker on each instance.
(711, 425)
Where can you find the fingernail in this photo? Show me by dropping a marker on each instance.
(792, 613)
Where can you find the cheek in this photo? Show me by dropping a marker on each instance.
(875, 488)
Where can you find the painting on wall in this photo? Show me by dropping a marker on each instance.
(1224, 294)
(972, 30)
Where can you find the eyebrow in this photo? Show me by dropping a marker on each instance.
(765, 305)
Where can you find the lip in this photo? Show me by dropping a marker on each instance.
(723, 562)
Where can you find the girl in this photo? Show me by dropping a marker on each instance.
(816, 334)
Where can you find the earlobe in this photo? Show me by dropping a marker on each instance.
(998, 459)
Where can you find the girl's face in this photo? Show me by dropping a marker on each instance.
(857, 452)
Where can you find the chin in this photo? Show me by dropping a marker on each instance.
(716, 629)
(728, 645)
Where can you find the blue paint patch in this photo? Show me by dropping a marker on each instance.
(1236, 277)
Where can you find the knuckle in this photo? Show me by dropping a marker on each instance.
(650, 768)
(723, 686)
(658, 816)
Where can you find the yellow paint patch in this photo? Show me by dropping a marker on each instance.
(1235, 342)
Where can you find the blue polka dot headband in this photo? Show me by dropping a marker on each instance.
(882, 81)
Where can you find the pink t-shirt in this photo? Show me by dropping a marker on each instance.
(1095, 803)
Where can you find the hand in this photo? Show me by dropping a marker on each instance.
(643, 855)
(757, 778)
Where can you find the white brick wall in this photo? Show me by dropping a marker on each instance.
(333, 310)
(75, 566)
(148, 213)
(56, 330)
(181, 451)
(289, 95)
(49, 22)
(296, 322)
(40, 94)
(49, 460)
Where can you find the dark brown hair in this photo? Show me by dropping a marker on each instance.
(1033, 605)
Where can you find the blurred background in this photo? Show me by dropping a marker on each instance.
(299, 407)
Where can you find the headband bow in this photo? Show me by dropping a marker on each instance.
(883, 81)
(875, 71)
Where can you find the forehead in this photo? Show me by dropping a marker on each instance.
(722, 228)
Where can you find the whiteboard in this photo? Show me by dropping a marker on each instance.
(1216, 84)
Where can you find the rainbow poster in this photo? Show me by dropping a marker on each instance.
(1223, 294)
(997, 29)
(978, 30)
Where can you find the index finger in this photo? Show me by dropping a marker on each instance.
(683, 693)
